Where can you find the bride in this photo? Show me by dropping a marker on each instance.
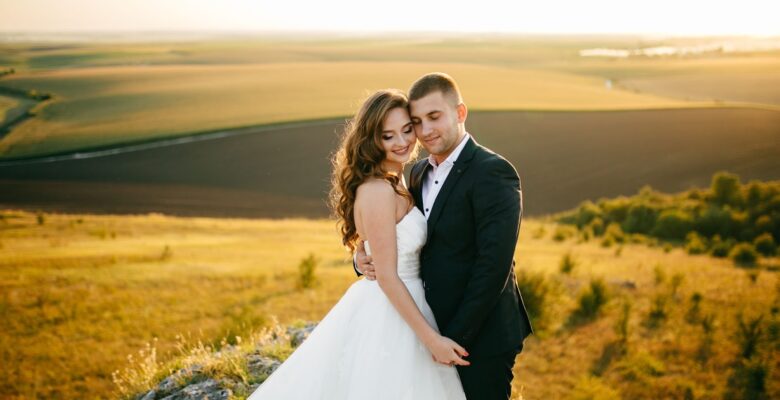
(380, 341)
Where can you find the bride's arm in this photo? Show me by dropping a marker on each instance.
(376, 202)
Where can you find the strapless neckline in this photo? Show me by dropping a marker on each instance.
(406, 215)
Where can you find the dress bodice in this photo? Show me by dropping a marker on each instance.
(411, 233)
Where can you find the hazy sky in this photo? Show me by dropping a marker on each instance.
(687, 17)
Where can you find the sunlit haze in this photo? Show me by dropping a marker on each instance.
(678, 17)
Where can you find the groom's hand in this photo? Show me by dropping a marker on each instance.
(365, 263)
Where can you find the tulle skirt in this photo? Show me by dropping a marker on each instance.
(362, 350)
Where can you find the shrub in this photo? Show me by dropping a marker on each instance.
(765, 244)
(659, 274)
(719, 248)
(306, 271)
(622, 322)
(567, 263)
(694, 311)
(590, 302)
(586, 213)
(615, 232)
(658, 311)
(725, 189)
(748, 380)
(749, 335)
(675, 283)
(535, 289)
(705, 346)
(672, 225)
(744, 255)
(641, 218)
(563, 232)
(597, 226)
(716, 220)
(694, 243)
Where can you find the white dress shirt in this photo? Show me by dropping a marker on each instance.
(434, 179)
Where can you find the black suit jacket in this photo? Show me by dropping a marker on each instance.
(467, 263)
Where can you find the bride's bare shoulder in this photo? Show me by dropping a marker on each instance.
(374, 192)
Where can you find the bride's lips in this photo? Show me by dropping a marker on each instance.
(402, 151)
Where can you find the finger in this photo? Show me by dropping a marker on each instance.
(461, 351)
(462, 362)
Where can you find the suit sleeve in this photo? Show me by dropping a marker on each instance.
(354, 264)
(497, 207)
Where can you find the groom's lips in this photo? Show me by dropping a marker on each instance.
(431, 139)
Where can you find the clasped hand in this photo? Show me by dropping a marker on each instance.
(443, 349)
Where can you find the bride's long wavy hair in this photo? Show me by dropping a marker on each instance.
(360, 157)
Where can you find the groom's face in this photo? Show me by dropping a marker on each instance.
(436, 118)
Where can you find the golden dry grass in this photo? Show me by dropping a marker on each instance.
(81, 292)
(98, 106)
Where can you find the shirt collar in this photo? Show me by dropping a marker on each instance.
(454, 155)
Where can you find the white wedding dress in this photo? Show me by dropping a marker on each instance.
(363, 349)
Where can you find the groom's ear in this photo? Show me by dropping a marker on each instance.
(463, 112)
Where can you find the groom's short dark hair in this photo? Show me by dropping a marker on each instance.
(436, 82)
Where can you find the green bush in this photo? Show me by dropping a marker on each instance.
(590, 302)
(306, 272)
(673, 225)
(744, 255)
(765, 244)
(597, 226)
(563, 232)
(536, 290)
(694, 243)
(719, 248)
(613, 231)
(641, 218)
(586, 213)
(725, 188)
(567, 263)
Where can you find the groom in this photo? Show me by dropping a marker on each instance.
(472, 200)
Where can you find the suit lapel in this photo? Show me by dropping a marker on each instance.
(458, 168)
(415, 182)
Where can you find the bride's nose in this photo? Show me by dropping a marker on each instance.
(402, 141)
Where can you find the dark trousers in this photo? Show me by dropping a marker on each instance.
(488, 378)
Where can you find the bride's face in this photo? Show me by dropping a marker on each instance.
(398, 139)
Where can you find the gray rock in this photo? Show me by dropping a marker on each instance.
(261, 365)
(171, 383)
(206, 390)
(149, 395)
(298, 335)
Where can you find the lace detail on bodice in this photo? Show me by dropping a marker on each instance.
(411, 233)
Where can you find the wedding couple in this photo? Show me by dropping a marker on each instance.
(438, 314)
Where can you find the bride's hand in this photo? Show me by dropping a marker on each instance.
(444, 350)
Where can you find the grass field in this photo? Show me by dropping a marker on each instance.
(121, 104)
(6, 104)
(118, 92)
(82, 292)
